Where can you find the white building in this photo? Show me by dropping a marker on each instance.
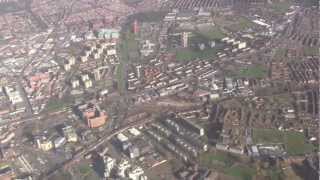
(59, 142)
(122, 167)
(136, 173)
(109, 165)
(13, 95)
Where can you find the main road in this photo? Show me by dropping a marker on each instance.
(95, 145)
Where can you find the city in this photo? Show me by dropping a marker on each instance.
(159, 89)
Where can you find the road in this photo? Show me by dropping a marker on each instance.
(95, 145)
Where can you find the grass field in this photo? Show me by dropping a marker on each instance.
(189, 54)
(128, 51)
(294, 141)
(242, 23)
(149, 16)
(253, 72)
(228, 164)
(85, 172)
(217, 159)
(56, 104)
(241, 172)
(120, 77)
(281, 7)
(9, 7)
(212, 33)
(280, 53)
(311, 51)
(129, 47)
(61, 175)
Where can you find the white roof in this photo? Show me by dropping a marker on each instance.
(121, 137)
(134, 131)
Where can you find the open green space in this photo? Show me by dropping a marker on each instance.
(61, 175)
(253, 72)
(9, 7)
(311, 51)
(132, 2)
(241, 172)
(148, 16)
(120, 77)
(84, 169)
(129, 46)
(241, 23)
(217, 159)
(228, 164)
(280, 53)
(281, 6)
(189, 54)
(212, 33)
(308, 3)
(57, 104)
(295, 142)
(85, 172)
(128, 49)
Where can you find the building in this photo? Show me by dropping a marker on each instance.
(44, 143)
(70, 134)
(109, 165)
(93, 115)
(122, 167)
(86, 81)
(87, 84)
(136, 173)
(6, 172)
(66, 66)
(13, 95)
(136, 27)
(75, 83)
(195, 128)
(133, 152)
(108, 34)
(242, 45)
(185, 39)
(59, 142)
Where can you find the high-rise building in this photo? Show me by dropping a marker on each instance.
(185, 39)
(109, 164)
(93, 115)
(136, 27)
(70, 134)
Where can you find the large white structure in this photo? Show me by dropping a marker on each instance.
(13, 95)
(122, 167)
(136, 173)
(109, 165)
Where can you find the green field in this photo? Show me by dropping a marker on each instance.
(189, 54)
(311, 51)
(253, 72)
(280, 53)
(212, 33)
(242, 23)
(85, 172)
(61, 175)
(295, 142)
(241, 172)
(228, 164)
(9, 7)
(120, 77)
(57, 104)
(281, 7)
(217, 159)
(128, 51)
(149, 16)
(129, 47)
(308, 3)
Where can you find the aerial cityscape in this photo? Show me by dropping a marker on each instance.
(159, 89)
